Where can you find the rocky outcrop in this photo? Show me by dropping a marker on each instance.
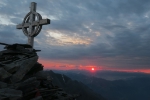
(23, 78)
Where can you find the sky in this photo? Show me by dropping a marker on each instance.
(104, 34)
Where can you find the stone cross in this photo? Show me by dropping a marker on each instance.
(32, 24)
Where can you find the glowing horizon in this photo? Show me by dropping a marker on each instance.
(54, 65)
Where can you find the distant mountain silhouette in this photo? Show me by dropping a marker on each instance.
(137, 88)
(105, 74)
(74, 87)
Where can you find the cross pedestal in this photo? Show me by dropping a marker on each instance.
(32, 24)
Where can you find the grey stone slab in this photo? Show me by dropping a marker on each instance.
(3, 85)
(7, 92)
(31, 79)
(27, 82)
(41, 75)
(4, 74)
(38, 98)
(12, 67)
(4, 98)
(30, 87)
(25, 67)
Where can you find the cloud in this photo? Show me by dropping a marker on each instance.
(114, 34)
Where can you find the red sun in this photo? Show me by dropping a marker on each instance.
(93, 69)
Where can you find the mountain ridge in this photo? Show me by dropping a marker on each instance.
(131, 88)
(74, 87)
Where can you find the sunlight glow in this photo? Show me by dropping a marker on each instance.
(66, 39)
(93, 69)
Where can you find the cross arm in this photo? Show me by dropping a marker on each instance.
(35, 23)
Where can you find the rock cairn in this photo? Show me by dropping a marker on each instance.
(23, 78)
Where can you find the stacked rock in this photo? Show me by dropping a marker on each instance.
(23, 78)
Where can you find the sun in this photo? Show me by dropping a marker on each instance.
(93, 69)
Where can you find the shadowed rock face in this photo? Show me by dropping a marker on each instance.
(74, 87)
(22, 78)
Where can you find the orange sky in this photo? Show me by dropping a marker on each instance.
(64, 65)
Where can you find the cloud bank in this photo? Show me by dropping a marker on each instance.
(102, 33)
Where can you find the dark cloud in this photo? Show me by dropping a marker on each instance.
(118, 29)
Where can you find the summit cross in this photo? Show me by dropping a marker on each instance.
(32, 24)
